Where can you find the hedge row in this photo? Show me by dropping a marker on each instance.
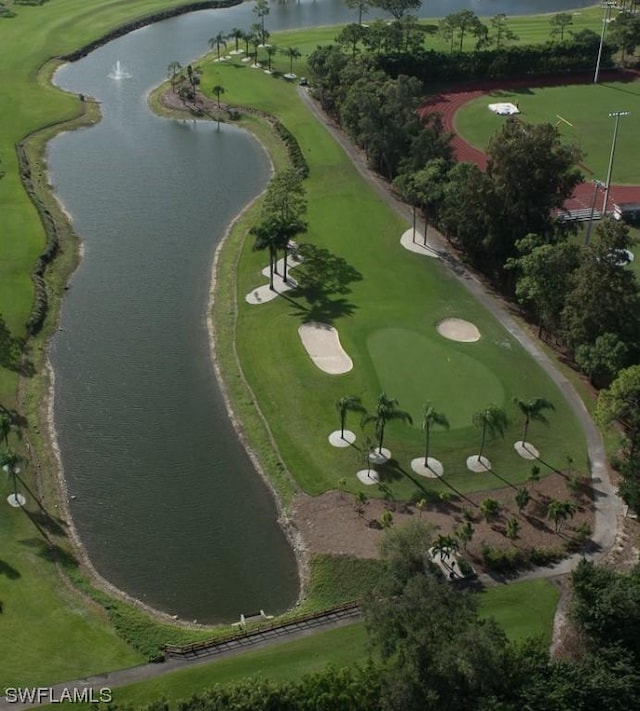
(298, 160)
(40, 301)
(507, 62)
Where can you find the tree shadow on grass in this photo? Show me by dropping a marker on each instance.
(51, 552)
(502, 479)
(9, 571)
(43, 518)
(323, 276)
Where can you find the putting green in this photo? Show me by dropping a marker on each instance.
(414, 369)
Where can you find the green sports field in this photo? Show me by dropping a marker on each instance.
(585, 106)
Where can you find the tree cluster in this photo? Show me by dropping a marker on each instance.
(379, 113)
(621, 403)
(583, 295)
(283, 212)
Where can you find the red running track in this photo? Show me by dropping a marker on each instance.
(448, 104)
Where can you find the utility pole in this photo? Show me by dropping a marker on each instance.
(616, 115)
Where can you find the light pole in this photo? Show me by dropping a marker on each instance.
(605, 19)
(597, 185)
(617, 115)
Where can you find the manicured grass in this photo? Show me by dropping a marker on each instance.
(282, 662)
(522, 609)
(387, 322)
(585, 106)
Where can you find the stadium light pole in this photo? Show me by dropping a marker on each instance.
(617, 115)
(605, 19)
(597, 185)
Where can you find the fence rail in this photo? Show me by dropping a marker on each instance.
(267, 631)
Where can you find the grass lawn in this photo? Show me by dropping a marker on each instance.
(522, 609)
(387, 321)
(585, 106)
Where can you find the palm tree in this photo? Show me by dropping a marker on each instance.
(386, 410)
(218, 90)
(465, 534)
(430, 416)
(173, 69)
(533, 411)
(492, 421)
(267, 237)
(560, 511)
(292, 53)
(444, 546)
(271, 50)
(236, 35)
(219, 40)
(522, 498)
(247, 37)
(348, 403)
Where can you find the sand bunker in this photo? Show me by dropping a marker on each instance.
(322, 343)
(457, 329)
(415, 243)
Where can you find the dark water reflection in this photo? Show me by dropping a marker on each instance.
(167, 502)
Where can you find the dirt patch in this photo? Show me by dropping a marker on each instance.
(331, 523)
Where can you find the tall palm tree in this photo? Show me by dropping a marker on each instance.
(492, 420)
(386, 410)
(533, 410)
(271, 50)
(267, 237)
(348, 403)
(218, 90)
(292, 53)
(430, 416)
(173, 69)
(236, 34)
(247, 37)
(220, 40)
